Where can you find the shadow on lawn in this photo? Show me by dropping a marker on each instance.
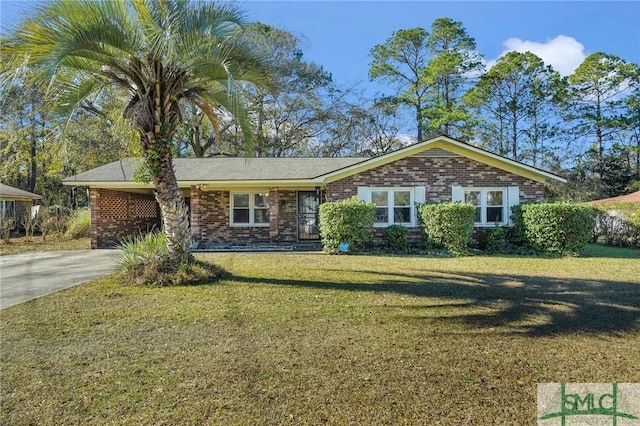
(523, 304)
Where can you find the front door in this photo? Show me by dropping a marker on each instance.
(308, 202)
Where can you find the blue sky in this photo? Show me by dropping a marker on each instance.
(339, 34)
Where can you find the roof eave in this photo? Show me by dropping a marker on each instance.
(19, 198)
(205, 185)
(454, 146)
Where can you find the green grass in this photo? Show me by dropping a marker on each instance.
(600, 250)
(319, 339)
(21, 245)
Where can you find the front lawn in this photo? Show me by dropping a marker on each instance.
(318, 339)
(36, 243)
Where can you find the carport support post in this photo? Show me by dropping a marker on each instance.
(274, 216)
(94, 207)
(195, 210)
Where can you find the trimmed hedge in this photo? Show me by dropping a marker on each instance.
(617, 224)
(556, 228)
(494, 240)
(448, 225)
(397, 237)
(346, 221)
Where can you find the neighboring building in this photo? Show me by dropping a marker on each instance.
(634, 197)
(235, 201)
(15, 202)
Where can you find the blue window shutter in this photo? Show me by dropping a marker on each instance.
(457, 194)
(419, 194)
(513, 199)
(419, 197)
(363, 193)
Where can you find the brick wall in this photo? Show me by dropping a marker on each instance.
(116, 214)
(438, 175)
(210, 219)
(288, 223)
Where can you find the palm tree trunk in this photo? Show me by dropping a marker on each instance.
(175, 217)
(174, 212)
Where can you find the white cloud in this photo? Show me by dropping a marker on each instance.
(563, 53)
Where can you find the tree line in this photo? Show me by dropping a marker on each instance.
(585, 126)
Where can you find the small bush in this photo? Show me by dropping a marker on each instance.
(617, 224)
(448, 225)
(346, 221)
(53, 220)
(495, 240)
(79, 224)
(515, 234)
(138, 251)
(397, 237)
(29, 222)
(557, 228)
(146, 261)
(7, 224)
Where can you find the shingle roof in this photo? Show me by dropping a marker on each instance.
(9, 192)
(296, 171)
(634, 197)
(223, 169)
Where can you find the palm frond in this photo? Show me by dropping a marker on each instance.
(178, 50)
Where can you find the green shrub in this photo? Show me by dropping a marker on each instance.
(7, 224)
(53, 220)
(617, 224)
(146, 261)
(346, 221)
(557, 228)
(448, 225)
(515, 234)
(495, 239)
(29, 223)
(79, 224)
(397, 237)
(137, 252)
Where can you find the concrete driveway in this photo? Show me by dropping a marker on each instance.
(27, 276)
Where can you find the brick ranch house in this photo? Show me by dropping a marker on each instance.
(14, 202)
(274, 201)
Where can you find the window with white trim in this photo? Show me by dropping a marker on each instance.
(250, 209)
(393, 205)
(490, 204)
(8, 209)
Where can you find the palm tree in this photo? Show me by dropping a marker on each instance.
(161, 55)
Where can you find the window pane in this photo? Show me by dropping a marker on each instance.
(8, 209)
(401, 198)
(478, 215)
(472, 197)
(382, 215)
(261, 215)
(240, 215)
(494, 198)
(402, 215)
(380, 198)
(261, 200)
(494, 214)
(240, 200)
